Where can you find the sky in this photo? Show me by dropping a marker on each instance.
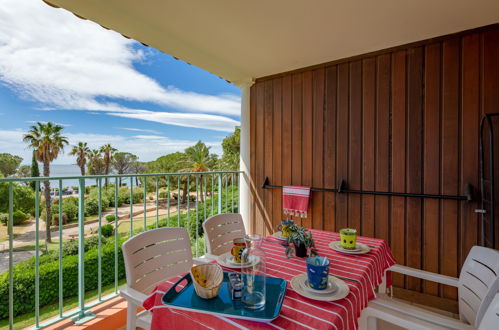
(103, 88)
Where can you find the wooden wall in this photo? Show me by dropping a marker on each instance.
(404, 120)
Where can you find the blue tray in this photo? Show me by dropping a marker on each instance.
(223, 305)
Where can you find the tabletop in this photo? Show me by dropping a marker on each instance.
(362, 273)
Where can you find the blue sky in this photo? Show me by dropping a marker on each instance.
(103, 87)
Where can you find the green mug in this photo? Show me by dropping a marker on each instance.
(348, 238)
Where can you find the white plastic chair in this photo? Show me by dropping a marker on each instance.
(477, 285)
(220, 230)
(491, 318)
(150, 258)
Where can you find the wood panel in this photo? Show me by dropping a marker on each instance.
(277, 150)
(307, 116)
(431, 184)
(404, 120)
(398, 131)
(414, 165)
(368, 143)
(329, 220)
(354, 178)
(318, 146)
(450, 162)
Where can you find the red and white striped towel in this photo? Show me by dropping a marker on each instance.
(295, 200)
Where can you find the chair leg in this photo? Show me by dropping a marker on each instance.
(131, 317)
(363, 321)
(372, 323)
(367, 320)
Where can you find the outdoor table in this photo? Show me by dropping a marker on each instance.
(364, 271)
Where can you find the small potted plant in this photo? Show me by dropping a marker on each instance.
(302, 241)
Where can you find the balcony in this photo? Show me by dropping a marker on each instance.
(82, 267)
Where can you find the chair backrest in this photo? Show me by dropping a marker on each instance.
(478, 283)
(220, 230)
(491, 318)
(155, 256)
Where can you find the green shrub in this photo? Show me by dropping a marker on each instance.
(70, 208)
(93, 241)
(19, 217)
(24, 198)
(24, 278)
(163, 194)
(70, 247)
(55, 219)
(124, 195)
(91, 206)
(110, 218)
(4, 218)
(107, 230)
(109, 193)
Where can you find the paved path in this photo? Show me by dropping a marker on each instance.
(18, 257)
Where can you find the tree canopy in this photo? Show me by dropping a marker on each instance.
(231, 150)
(170, 163)
(123, 161)
(9, 164)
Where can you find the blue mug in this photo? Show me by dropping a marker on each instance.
(317, 272)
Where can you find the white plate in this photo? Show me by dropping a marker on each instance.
(226, 261)
(340, 293)
(331, 287)
(359, 249)
(279, 236)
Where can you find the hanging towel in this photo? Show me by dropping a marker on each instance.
(295, 200)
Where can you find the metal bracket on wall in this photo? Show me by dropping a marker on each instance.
(343, 188)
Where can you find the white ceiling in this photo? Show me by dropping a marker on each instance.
(239, 40)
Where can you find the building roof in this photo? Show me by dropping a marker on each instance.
(241, 40)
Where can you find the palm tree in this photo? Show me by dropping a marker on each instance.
(108, 151)
(197, 158)
(96, 164)
(81, 151)
(47, 142)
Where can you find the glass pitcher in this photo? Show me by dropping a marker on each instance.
(253, 296)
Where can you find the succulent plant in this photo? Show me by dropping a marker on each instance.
(300, 236)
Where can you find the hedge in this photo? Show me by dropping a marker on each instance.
(18, 217)
(24, 278)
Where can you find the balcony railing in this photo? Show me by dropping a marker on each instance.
(206, 194)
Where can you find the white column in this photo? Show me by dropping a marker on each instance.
(244, 188)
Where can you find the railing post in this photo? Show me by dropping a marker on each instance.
(83, 316)
(219, 193)
(11, 260)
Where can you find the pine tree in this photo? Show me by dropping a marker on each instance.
(35, 171)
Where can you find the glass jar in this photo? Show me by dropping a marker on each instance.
(253, 296)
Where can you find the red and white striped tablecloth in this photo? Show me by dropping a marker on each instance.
(297, 312)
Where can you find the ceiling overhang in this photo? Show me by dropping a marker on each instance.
(242, 40)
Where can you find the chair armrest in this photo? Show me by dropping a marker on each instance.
(133, 296)
(424, 275)
(210, 256)
(201, 260)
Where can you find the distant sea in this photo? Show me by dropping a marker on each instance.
(69, 170)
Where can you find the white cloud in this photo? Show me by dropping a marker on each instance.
(34, 122)
(139, 130)
(196, 120)
(50, 56)
(147, 147)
